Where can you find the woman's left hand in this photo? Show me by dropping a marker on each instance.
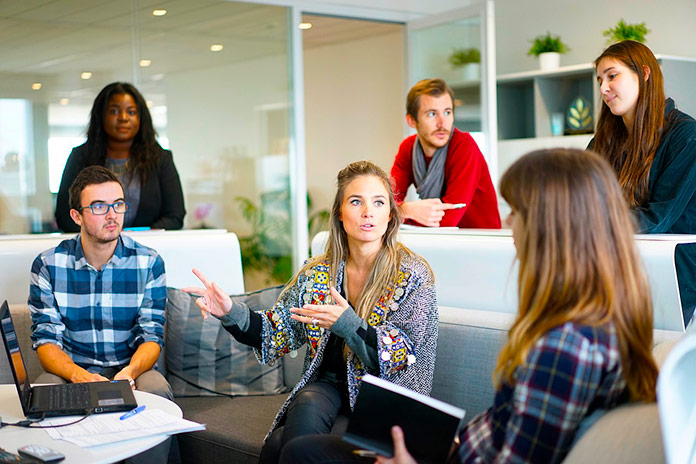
(322, 315)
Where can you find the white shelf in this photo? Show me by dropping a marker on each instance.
(561, 71)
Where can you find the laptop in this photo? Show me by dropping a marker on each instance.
(60, 400)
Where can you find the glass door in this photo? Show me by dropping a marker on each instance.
(459, 47)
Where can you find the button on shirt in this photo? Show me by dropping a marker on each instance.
(98, 318)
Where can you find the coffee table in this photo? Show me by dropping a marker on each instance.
(12, 438)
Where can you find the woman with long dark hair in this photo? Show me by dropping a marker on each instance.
(652, 147)
(121, 137)
(367, 305)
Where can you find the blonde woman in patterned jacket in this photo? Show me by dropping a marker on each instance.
(367, 305)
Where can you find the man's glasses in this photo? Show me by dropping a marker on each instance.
(100, 209)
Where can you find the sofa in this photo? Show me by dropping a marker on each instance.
(473, 325)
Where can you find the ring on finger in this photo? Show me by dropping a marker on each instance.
(315, 321)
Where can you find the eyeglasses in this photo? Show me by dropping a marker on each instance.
(100, 209)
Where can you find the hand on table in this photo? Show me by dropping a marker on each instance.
(426, 212)
(213, 299)
(322, 315)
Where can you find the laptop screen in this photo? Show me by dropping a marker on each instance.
(14, 355)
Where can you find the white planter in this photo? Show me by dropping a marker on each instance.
(470, 72)
(549, 60)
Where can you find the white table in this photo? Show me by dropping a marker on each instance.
(12, 438)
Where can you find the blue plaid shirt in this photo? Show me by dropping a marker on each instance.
(98, 318)
(571, 371)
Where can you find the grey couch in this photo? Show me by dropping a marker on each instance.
(467, 348)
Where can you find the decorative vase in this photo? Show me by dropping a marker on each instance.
(549, 60)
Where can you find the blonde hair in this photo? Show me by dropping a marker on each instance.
(386, 266)
(578, 262)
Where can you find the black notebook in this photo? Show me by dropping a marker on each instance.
(429, 425)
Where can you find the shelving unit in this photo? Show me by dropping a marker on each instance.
(467, 100)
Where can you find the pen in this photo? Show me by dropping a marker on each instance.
(458, 205)
(133, 412)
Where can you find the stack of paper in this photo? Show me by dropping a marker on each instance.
(109, 428)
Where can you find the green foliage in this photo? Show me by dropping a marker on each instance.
(623, 31)
(547, 43)
(462, 56)
(268, 248)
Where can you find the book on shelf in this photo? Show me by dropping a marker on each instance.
(429, 425)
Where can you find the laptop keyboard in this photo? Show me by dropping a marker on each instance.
(69, 396)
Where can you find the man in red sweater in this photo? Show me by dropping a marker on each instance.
(444, 164)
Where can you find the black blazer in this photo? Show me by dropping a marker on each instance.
(161, 198)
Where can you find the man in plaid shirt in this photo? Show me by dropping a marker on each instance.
(97, 300)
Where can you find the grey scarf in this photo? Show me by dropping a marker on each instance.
(429, 180)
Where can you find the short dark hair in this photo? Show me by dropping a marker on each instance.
(432, 87)
(89, 176)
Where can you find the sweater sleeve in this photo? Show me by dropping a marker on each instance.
(467, 165)
(172, 211)
(73, 166)
(402, 171)
(674, 185)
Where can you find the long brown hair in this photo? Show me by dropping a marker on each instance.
(578, 261)
(631, 154)
(386, 265)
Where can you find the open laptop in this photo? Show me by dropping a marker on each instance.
(60, 400)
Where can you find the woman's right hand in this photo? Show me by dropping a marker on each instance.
(213, 299)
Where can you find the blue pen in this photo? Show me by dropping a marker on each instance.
(133, 412)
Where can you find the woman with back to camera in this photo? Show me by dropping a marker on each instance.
(583, 333)
(367, 305)
(652, 147)
(121, 137)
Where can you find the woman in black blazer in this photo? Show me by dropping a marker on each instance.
(121, 137)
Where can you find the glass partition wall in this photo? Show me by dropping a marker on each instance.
(217, 79)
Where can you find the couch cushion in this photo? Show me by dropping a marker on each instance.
(467, 349)
(629, 433)
(203, 359)
(235, 428)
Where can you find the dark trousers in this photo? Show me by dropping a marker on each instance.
(321, 449)
(314, 410)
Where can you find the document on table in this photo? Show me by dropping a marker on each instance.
(108, 428)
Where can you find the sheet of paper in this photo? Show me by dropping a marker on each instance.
(108, 428)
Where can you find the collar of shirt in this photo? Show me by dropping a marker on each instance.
(81, 261)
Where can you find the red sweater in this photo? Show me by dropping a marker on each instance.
(467, 180)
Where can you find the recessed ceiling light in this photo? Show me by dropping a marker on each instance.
(159, 12)
(36, 86)
(144, 63)
(216, 47)
(148, 103)
(86, 75)
(64, 101)
(305, 26)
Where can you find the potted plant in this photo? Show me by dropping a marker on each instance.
(468, 61)
(623, 31)
(548, 48)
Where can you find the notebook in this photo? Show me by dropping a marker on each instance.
(60, 400)
(429, 425)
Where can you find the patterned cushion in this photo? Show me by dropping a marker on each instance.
(203, 359)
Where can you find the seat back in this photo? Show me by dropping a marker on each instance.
(676, 400)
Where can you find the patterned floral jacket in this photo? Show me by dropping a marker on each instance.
(405, 318)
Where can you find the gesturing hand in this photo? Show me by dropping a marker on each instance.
(426, 212)
(214, 299)
(322, 315)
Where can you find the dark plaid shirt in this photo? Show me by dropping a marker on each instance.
(98, 318)
(571, 371)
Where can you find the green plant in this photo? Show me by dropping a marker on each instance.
(547, 43)
(623, 31)
(462, 56)
(268, 248)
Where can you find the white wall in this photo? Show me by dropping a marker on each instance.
(354, 106)
(580, 25)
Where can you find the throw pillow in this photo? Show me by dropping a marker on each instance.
(203, 359)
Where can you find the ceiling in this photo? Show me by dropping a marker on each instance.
(53, 41)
